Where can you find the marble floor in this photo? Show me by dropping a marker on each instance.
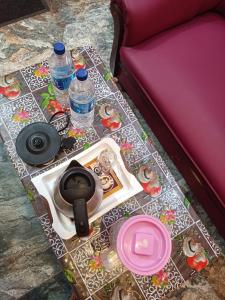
(77, 23)
(28, 268)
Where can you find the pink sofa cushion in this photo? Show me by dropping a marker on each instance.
(183, 71)
(144, 18)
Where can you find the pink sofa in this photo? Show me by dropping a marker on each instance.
(169, 56)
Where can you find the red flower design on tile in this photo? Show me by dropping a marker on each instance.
(41, 71)
(76, 133)
(160, 279)
(168, 216)
(21, 116)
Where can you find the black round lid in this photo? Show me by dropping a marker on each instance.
(38, 143)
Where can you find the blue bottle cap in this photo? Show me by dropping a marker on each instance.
(59, 48)
(82, 74)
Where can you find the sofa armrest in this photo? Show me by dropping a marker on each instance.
(221, 7)
(144, 18)
(138, 20)
(118, 20)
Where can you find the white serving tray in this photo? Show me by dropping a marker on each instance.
(45, 184)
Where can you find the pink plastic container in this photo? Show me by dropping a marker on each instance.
(142, 243)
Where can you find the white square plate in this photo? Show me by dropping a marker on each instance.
(45, 184)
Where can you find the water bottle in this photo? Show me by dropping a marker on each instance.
(82, 100)
(62, 72)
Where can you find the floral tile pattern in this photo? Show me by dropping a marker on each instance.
(12, 87)
(120, 211)
(72, 274)
(109, 116)
(55, 241)
(160, 186)
(47, 100)
(216, 249)
(16, 160)
(101, 88)
(169, 208)
(84, 256)
(36, 76)
(125, 106)
(128, 136)
(83, 138)
(108, 77)
(164, 168)
(192, 252)
(96, 227)
(60, 123)
(93, 55)
(17, 114)
(161, 283)
(80, 59)
(143, 198)
(125, 283)
(27, 96)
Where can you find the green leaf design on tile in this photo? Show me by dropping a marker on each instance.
(120, 118)
(18, 86)
(208, 255)
(69, 275)
(161, 180)
(51, 89)
(45, 95)
(107, 75)
(86, 146)
(30, 195)
(186, 202)
(144, 136)
(178, 238)
(44, 102)
(126, 214)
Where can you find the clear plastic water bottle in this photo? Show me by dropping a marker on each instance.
(82, 100)
(62, 72)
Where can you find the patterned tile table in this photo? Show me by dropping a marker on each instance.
(27, 96)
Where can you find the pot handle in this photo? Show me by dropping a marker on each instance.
(81, 217)
(74, 163)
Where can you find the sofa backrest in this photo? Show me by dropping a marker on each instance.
(144, 18)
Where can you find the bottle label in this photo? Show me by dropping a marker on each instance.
(62, 83)
(62, 76)
(82, 108)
